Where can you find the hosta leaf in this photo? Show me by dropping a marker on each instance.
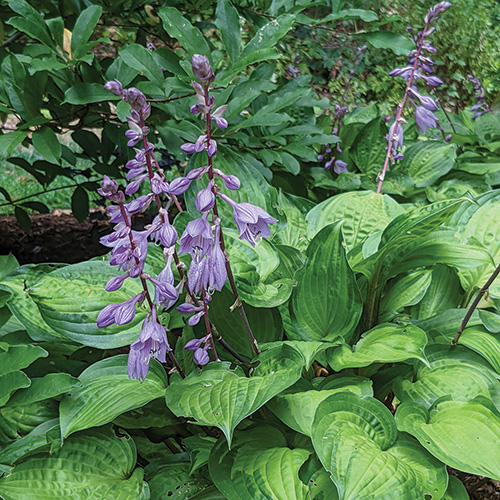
(318, 480)
(483, 342)
(361, 212)
(456, 490)
(368, 151)
(259, 466)
(70, 299)
(386, 343)
(326, 303)
(106, 392)
(455, 372)
(297, 405)
(94, 464)
(199, 448)
(464, 435)
(427, 161)
(221, 397)
(357, 442)
(308, 350)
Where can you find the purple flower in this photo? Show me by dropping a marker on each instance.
(190, 309)
(231, 181)
(135, 133)
(252, 221)
(167, 233)
(121, 314)
(216, 264)
(196, 239)
(339, 166)
(200, 356)
(435, 11)
(202, 69)
(151, 343)
(205, 199)
(425, 119)
(134, 97)
(217, 116)
(179, 185)
(115, 283)
(114, 86)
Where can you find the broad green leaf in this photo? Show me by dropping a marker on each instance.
(362, 213)
(173, 479)
(446, 324)
(263, 120)
(94, 464)
(386, 343)
(222, 397)
(86, 93)
(152, 414)
(177, 26)
(227, 20)
(463, 435)
(84, 27)
(318, 480)
(456, 490)
(368, 151)
(326, 303)
(454, 372)
(8, 263)
(31, 22)
(267, 36)
(258, 466)
(427, 161)
(70, 299)
(297, 405)
(53, 384)
(141, 59)
(199, 448)
(357, 442)
(405, 292)
(12, 360)
(18, 421)
(400, 45)
(106, 392)
(308, 350)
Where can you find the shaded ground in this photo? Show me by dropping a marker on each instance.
(479, 488)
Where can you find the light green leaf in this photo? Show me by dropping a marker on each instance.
(84, 27)
(221, 397)
(484, 343)
(463, 435)
(400, 45)
(326, 303)
(177, 26)
(454, 372)
(357, 442)
(368, 150)
(86, 93)
(94, 464)
(386, 343)
(227, 20)
(258, 466)
(106, 392)
(456, 490)
(70, 299)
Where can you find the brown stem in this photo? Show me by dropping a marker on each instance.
(474, 304)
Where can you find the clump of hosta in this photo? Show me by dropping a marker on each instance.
(202, 238)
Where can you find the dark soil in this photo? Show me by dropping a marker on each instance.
(479, 488)
(56, 237)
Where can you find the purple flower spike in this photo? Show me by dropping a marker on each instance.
(114, 86)
(151, 343)
(216, 264)
(202, 69)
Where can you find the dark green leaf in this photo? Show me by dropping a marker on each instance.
(80, 204)
(83, 30)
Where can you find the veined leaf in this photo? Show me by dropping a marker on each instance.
(84, 27)
(228, 21)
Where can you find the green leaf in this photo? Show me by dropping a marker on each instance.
(258, 466)
(297, 405)
(357, 442)
(177, 26)
(400, 45)
(267, 36)
(31, 22)
(456, 490)
(8, 263)
(368, 151)
(80, 204)
(262, 119)
(47, 144)
(95, 464)
(386, 343)
(86, 93)
(221, 397)
(326, 303)
(362, 213)
(70, 298)
(84, 27)
(141, 59)
(427, 161)
(105, 392)
(23, 219)
(199, 448)
(463, 435)
(8, 142)
(484, 343)
(227, 20)
(53, 384)
(454, 372)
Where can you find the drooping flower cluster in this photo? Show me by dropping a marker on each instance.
(481, 106)
(420, 66)
(202, 239)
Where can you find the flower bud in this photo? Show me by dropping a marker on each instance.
(201, 69)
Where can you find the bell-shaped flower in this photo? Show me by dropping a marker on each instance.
(217, 116)
(196, 239)
(205, 199)
(425, 119)
(121, 314)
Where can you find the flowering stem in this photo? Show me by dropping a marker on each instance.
(381, 175)
(208, 327)
(474, 304)
(230, 276)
